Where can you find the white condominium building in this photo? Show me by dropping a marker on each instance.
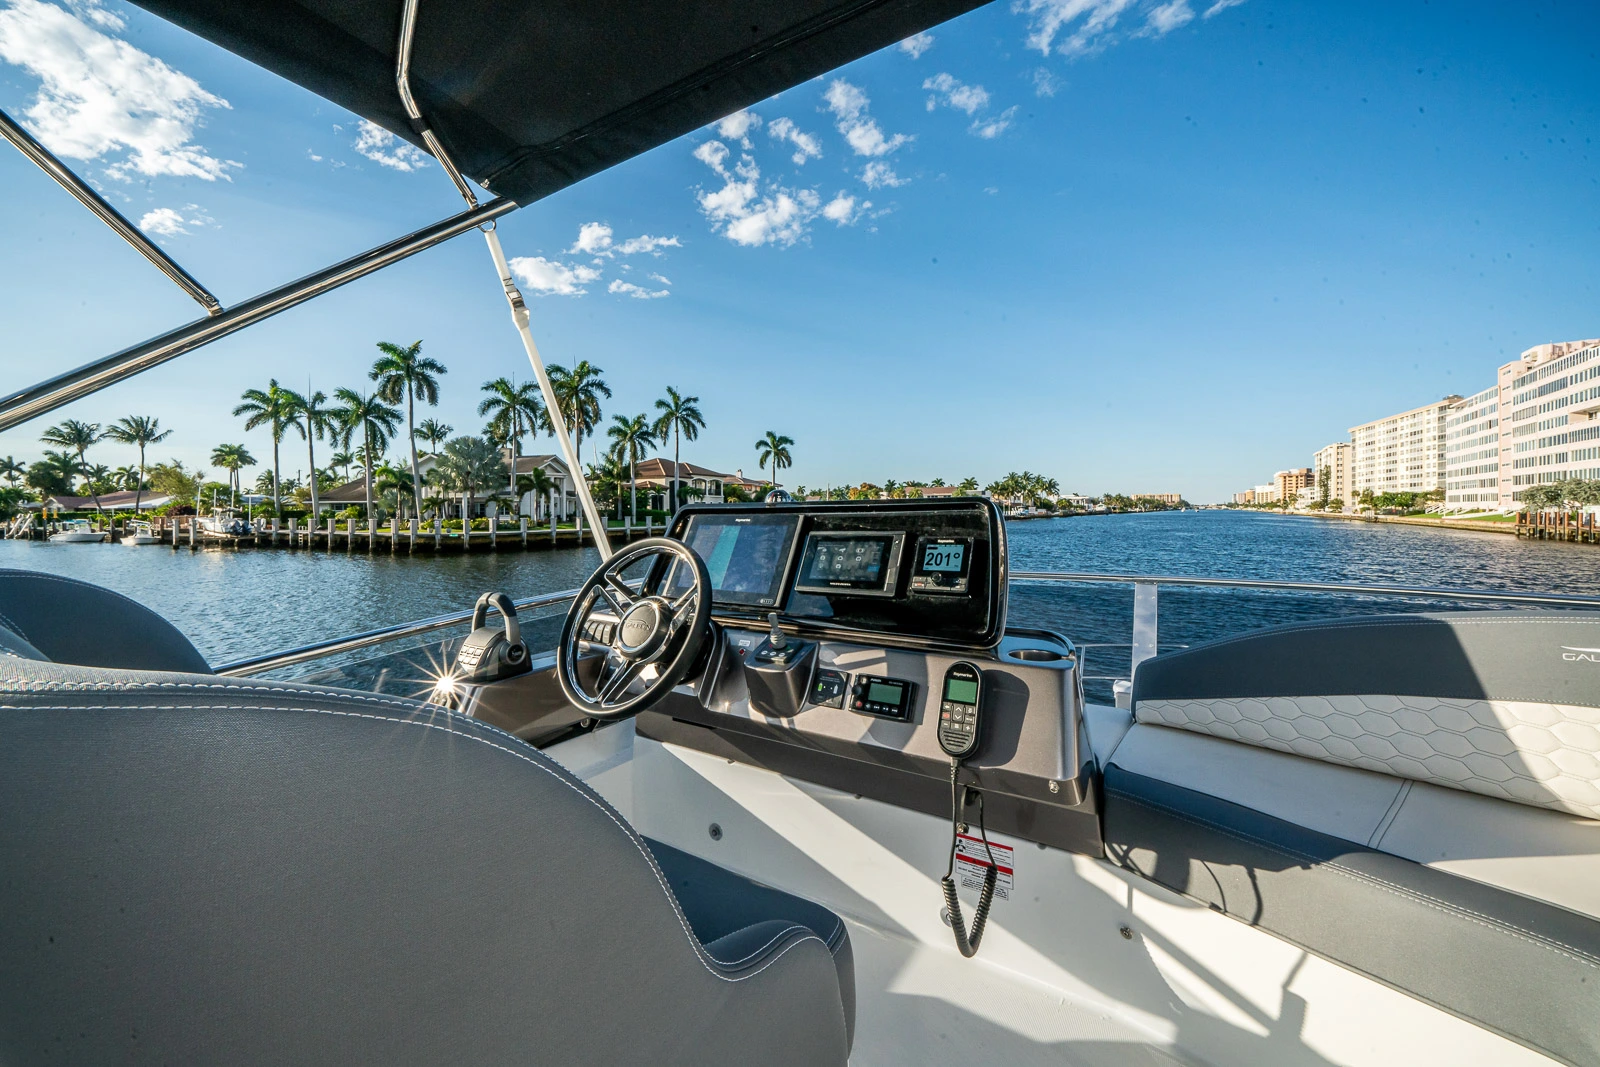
(1550, 426)
(1403, 453)
(1336, 463)
(1472, 453)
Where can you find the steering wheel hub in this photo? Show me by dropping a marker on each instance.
(643, 629)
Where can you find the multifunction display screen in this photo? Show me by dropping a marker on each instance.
(746, 555)
(946, 556)
(848, 559)
(862, 564)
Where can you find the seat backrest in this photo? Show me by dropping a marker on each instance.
(1502, 703)
(201, 869)
(69, 621)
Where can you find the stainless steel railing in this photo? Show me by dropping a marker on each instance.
(288, 657)
(1145, 613)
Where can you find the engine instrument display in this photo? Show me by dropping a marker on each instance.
(862, 564)
(941, 565)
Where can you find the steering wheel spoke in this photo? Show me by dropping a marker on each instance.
(648, 640)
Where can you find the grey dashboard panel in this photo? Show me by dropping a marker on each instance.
(1034, 765)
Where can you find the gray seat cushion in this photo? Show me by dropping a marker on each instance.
(733, 915)
(200, 869)
(69, 621)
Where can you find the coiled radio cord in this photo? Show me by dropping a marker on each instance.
(966, 942)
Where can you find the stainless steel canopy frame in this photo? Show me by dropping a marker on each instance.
(47, 162)
(30, 403)
(520, 317)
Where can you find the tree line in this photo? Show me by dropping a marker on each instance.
(359, 425)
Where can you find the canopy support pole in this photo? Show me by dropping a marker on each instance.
(46, 161)
(519, 308)
(48, 395)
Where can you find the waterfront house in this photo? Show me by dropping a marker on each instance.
(487, 501)
(122, 500)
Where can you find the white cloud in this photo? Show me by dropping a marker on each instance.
(638, 292)
(919, 43)
(737, 127)
(549, 276)
(644, 244)
(167, 222)
(746, 213)
(1086, 24)
(1167, 17)
(880, 175)
(991, 128)
(660, 278)
(99, 96)
(1083, 27)
(593, 239)
(381, 146)
(163, 221)
(845, 209)
(952, 93)
(806, 145)
(849, 106)
(1044, 82)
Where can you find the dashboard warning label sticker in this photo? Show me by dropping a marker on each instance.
(972, 863)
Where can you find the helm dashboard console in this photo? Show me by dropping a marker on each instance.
(877, 603)
(919, 572)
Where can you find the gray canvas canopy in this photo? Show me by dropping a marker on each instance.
(529, 98)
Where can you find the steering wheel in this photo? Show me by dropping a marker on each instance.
(649, 640)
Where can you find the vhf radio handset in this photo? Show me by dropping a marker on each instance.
(960, 733)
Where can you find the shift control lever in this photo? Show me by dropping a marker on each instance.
(775, 639)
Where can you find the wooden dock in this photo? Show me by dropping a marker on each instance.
(393, 537)
(1579, 527)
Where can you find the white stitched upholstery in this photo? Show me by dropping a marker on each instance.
(1546, 755)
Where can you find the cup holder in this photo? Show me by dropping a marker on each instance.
(1036, 655)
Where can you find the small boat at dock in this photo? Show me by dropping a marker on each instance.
(140, 532)
(77, 531)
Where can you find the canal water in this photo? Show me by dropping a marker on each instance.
(237, 603)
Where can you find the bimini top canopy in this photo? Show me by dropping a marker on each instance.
(530, 97)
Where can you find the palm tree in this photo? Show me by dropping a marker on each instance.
(128, 478)
(467, 465)
(774, 449)
(270, 408)
(12, 471)
(540, 484)
(406, 372)
(312, 421)
(393, 481)
(578, 391)
(375, 421)
(342, 460)
(231, 458)
(140, 430)
(967, 486)
(53, 474)
(77, 436)
(434, 432)
(629, 440)
(513, 410)
(679, 416)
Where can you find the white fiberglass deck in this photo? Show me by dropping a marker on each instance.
(1085, 964)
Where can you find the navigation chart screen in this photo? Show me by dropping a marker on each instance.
(746, 555)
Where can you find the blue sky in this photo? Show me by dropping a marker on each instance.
(1136, 246)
